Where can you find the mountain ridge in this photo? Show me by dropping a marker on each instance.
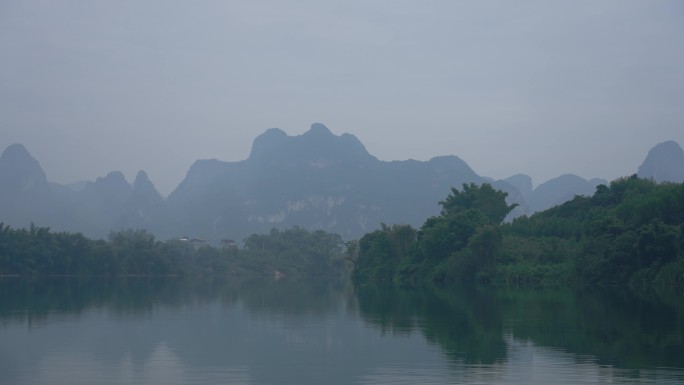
(316, 180)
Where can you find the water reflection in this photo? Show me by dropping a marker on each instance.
(618, 327)
(36, 299)
(465, 322)
(171, 330)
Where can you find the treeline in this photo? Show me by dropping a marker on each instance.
(630, 232)
(294, 251)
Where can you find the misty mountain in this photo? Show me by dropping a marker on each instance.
(144, 206)
(519, 188)
(561, 189)
(317, 180)
(100, 203)
(111, 203)
(664, 163)
(24, 190)
(523, 183)
(551, 193)
(94, 208)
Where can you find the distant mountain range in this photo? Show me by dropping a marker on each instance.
(316, 180)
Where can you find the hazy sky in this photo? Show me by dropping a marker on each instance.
(538, 87)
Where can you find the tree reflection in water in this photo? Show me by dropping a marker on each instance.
(471, 325)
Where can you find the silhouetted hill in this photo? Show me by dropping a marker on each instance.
(25, 195)
(99, 205)
(521, 182)
(550, 193)
(664, 163)
(20, 172)
(316, 180)
(93, 208)
(561, 189)
(111, 203)
(144, 207)
(317, 148)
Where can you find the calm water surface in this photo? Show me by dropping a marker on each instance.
(180, 331)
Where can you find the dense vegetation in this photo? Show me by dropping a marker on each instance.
(463, 241)
(631, 232)
(38, 251)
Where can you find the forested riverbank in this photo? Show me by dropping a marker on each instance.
(295, 251)
(630, 232)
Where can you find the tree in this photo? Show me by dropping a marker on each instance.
(491, 202)
(486, 244)
(351, 252)
(382, 251)
(441, 236)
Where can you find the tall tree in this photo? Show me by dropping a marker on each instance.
(491, 202)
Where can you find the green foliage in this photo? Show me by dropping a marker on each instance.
(37, 251)
(441, 236)
(381, 252)
(627, 233)
(486, 244)
(483, 198)
(631, 232)
(460, 244)
(297, 251)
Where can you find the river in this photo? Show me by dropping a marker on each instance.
(229, 331)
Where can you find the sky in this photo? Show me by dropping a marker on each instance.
(536, 87)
